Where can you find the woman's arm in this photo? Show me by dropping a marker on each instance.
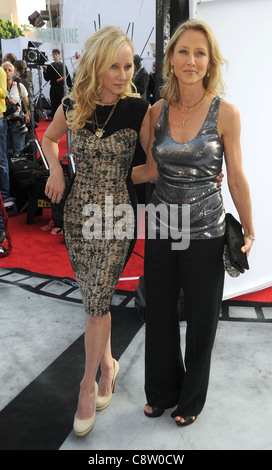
(148, 171)
(56, 183)
(144, 133)
(11, 96)
(25, 109)
(229, 119)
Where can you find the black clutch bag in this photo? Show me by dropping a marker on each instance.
(235, 261)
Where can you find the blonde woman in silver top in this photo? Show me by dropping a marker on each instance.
(193, 128)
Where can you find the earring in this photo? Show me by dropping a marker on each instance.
(208, 73)
(172, 69)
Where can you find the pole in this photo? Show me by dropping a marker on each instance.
(69, 155)
(147, 41)
(162, 35)
(169, 13)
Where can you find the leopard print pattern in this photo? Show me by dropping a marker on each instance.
(102, 166)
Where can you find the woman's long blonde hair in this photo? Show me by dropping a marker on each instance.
(213, 82)
(99, 54)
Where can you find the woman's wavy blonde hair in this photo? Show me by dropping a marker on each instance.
(99, 54)
(214, 82)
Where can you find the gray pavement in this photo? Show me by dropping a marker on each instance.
(39, 326)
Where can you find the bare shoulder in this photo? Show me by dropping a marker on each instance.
(228, 116)
(228, 110)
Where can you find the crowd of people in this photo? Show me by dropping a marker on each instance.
(15, 113)
(14, 117)
(185, 135)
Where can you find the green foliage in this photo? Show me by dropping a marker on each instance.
(8, 30)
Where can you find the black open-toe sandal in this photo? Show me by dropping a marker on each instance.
(156, 412)
(187, 421)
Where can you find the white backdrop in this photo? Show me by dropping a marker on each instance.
(141, 13)
(244, 31)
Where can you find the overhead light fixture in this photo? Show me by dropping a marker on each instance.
(36, 20)
(45, 15)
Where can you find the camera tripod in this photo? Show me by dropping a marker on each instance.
(40, 96)
(40, 175)
(34, 140)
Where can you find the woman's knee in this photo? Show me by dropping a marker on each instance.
(97, 320)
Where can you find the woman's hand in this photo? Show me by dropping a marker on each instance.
(55, 185)
(10, 101)
(248, 244)
(27, 117)
(220, 178)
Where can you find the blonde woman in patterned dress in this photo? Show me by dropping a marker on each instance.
(106, 119)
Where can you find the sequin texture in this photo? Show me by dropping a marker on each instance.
(187, 174)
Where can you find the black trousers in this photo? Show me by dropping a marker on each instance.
(56, 95)
(170, 379)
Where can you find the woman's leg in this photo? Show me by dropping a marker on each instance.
(163, 363)
(107, 371)
(18, 140)
(97, 334)
(203, 279)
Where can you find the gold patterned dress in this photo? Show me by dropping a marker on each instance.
(99, 214)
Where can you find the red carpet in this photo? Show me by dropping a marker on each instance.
(264, 295)
(36, 249)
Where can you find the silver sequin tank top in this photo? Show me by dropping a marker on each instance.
(187, 174)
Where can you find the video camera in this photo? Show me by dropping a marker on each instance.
(33, 57)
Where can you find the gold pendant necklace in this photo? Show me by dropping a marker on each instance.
(194, 111)
(100, 129)
(99, 133)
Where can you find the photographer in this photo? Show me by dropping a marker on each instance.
(20, 69)
(4, 172)
(16, 114)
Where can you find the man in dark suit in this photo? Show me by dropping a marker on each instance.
(141, 77)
